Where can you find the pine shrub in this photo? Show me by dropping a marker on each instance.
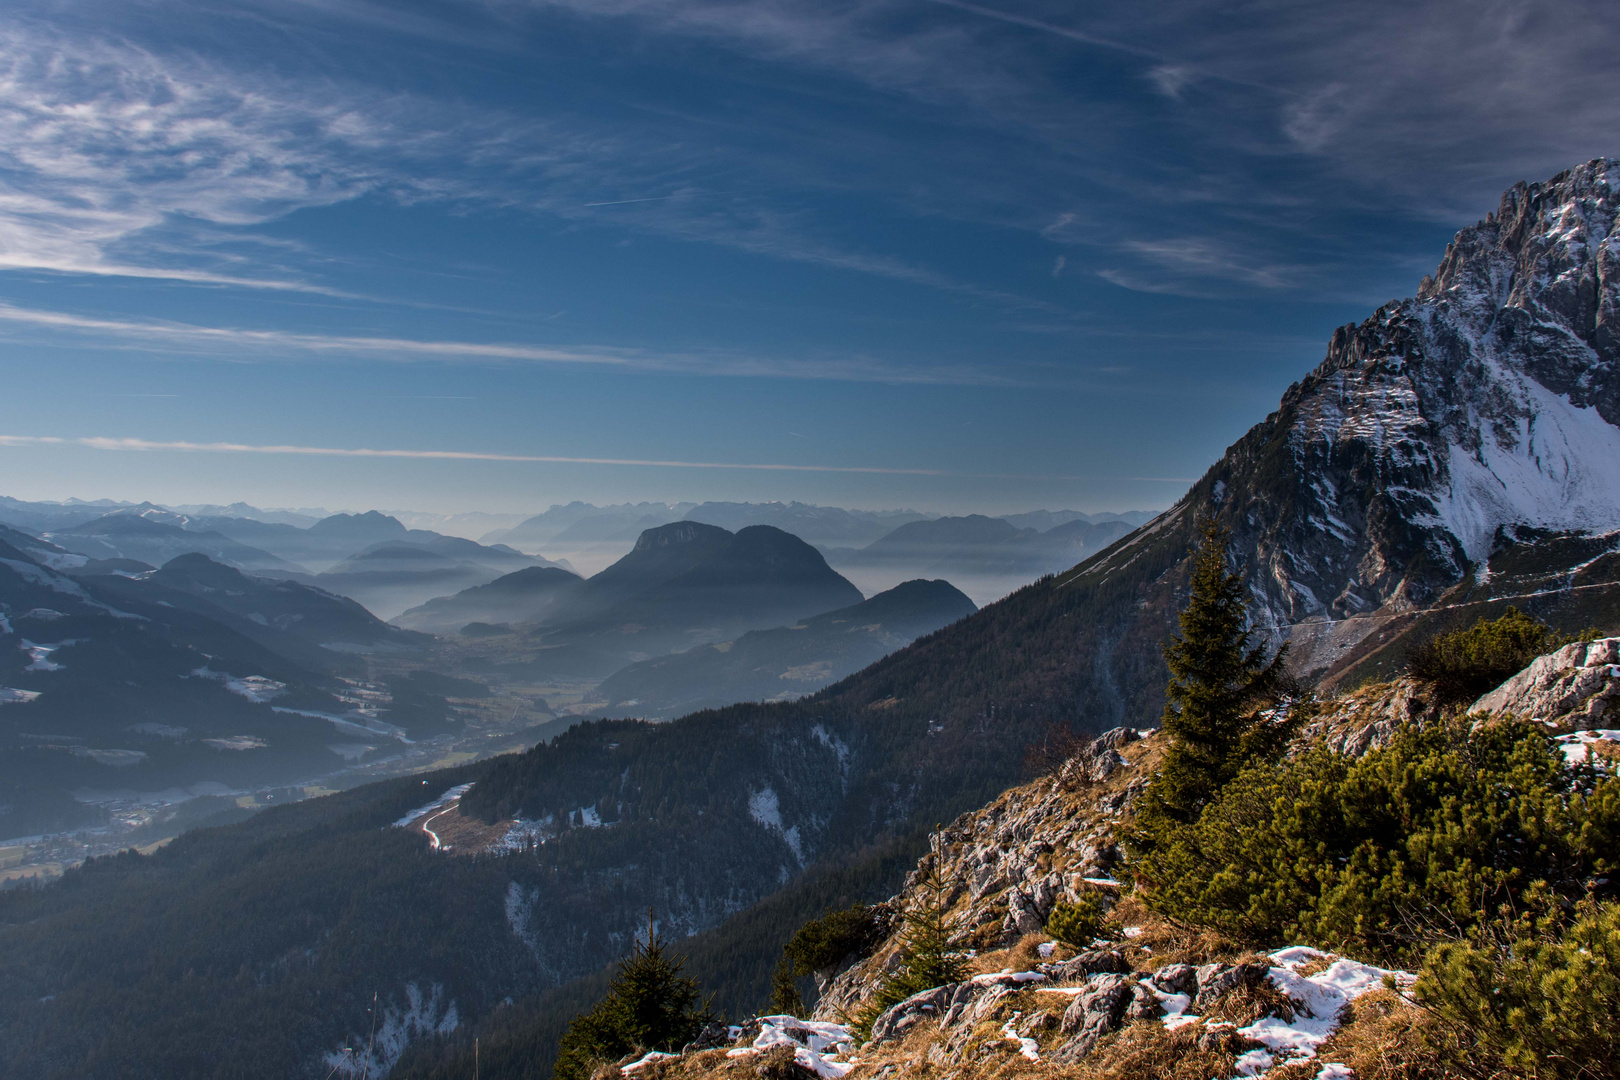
(1441, 831)
(824, 943)
(1538, 996)
(1076, 924)
(1462, 665)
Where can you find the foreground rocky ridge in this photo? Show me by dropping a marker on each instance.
(1153, 997)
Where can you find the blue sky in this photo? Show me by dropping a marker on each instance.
(925, 253)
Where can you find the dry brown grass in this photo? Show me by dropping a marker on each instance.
(1171, 943)
(1022, 956)
(1385, 1037)
(1247, 1004)
(1315, 967)
(1146, 1050)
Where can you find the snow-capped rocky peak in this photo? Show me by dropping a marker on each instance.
(1488, 401)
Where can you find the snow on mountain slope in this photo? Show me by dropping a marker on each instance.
(1404, 462)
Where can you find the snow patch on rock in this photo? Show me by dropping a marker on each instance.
(816, 1045)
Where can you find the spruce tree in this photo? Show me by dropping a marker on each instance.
(649, 1005)
(785, 997)
(927, 959)
(1219, 677)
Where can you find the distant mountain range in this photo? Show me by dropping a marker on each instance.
(125, 534)
(371, 558)
(979, 545)
(787, 662)
(111, 684)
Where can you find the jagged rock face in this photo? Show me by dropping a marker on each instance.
(1369, 719)
(1575, 687)
(1489, 400)
(1010, 863)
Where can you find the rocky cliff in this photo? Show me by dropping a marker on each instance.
(1439, 437)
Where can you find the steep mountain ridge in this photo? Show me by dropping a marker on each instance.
(1433, 432)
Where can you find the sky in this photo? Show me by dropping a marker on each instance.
(461, 255)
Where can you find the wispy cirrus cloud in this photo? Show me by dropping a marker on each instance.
(244, 343)
(1203, 268)
(117, 161)
(101, 442)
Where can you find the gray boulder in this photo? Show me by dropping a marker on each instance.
(1093, 1014)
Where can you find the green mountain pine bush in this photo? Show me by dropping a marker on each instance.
(1463, 664)
(1438, 833)
(1076, 924)
(1538, 994)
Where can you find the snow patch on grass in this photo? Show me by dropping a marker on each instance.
(1320, 1000)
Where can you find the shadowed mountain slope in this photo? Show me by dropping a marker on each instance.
(525, 596)
(786, 662)
(286, 609)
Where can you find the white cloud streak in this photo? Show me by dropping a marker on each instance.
(235, 343)
(106, 443)
(118, 161)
